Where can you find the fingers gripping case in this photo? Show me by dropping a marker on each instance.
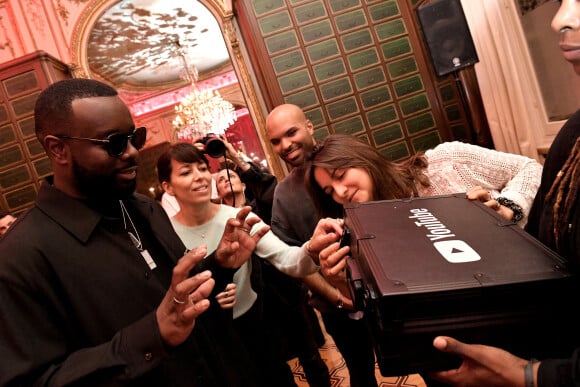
(449, 266)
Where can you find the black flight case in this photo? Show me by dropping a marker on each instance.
(446, 265)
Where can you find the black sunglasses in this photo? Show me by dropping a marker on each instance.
(116, 143)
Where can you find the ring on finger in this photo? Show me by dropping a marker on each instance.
(178, 301)
(226, 294)
(245, 229)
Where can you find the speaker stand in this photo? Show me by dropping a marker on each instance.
(465, 105)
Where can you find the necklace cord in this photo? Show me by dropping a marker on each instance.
(134, 237)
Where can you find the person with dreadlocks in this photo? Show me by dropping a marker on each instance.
(554, 214)
(554, 220)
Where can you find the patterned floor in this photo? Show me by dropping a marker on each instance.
(339, 372)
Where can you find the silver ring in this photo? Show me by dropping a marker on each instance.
(245, 229)
(226, 294)
(178, 301)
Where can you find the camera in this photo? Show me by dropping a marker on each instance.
(214, 146)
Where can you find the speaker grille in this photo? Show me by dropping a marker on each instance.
(447, 36)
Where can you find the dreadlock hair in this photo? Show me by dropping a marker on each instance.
(391, 180)
(562, 197)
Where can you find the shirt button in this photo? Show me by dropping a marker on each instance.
(147, 275)
(148, 356)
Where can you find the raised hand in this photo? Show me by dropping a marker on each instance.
(185, 300)
(482, 365)
(237, 244)
(231, 151)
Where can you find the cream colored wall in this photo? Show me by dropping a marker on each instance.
(509, 89)
(30, 25)
(508, 84)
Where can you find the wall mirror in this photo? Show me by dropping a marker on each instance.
(146, 48)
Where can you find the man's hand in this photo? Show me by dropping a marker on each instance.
(237, 245)
(482, 365)
(185, 300)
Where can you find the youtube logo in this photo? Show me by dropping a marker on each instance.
(456, 251)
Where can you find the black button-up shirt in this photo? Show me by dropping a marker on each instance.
(78, 301)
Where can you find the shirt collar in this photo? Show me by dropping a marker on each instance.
(70, 213)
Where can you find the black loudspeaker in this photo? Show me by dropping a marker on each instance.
(447, 36)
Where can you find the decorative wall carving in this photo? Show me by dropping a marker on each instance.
(6, 42)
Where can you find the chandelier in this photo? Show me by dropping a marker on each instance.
(202, 111)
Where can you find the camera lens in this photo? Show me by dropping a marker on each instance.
(215, 147)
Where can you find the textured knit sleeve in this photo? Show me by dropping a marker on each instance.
(461, 166)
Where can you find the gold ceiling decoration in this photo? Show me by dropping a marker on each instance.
(131, 43)
(62, 10)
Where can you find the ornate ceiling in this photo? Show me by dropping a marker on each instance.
(135, 44)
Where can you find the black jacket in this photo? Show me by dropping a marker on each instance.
(539, 221)
(77, 302)
(558, 372)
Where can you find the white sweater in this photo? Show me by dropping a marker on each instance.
(456, 167)
(292, 260)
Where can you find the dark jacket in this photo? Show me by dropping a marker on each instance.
(78, 301)
(561, 372)
(294, 217)
(260, 186)
(539, 222)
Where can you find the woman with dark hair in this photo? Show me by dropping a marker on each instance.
(345, 169)
(183, 171)
(244, 183)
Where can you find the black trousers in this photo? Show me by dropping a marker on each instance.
(294, 322)
(353, 340)
(259, 342)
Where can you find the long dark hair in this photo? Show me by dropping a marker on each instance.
(391, 180)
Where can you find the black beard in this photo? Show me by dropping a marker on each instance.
(100, 187)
